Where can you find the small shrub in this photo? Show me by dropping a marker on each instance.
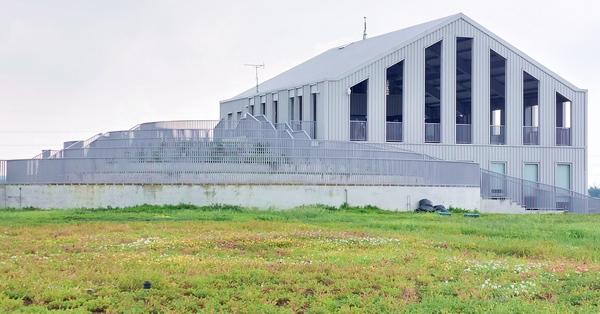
(456, 210)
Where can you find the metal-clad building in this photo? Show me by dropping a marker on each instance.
(448, 88)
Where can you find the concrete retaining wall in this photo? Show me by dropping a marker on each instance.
(3, 196)
(508, 206)
(400, 198)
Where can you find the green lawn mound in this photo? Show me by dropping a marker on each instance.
(316, 259)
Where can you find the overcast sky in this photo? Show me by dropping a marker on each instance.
(71, 69)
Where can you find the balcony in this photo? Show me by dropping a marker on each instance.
(463, 134)
(563, 136)
(393, 131)
(358, 130)
(432, 132)
(497, 135)
(531, 135)
(308, 126)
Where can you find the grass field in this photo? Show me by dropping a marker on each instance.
(313, 259)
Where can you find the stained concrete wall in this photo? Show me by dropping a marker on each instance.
(3, 196)
(400, 198)
(507, 206)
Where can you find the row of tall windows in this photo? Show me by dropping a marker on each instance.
(530, 187)
(562, 174)
(394, 90)
(297, 118)
(262, 107)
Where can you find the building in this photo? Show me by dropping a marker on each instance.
(448, 88)
(444, 110)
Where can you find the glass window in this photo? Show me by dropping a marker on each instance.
(530, 172)
(358, 111)
(497, 98)
(464, 57)
(562, 177)
(563, 121)
(433, 82)
(531, 114)
(393, 90)
(499, 167)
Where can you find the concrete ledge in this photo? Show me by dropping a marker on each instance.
(397, 198)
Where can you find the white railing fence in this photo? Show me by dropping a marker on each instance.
(535, 196)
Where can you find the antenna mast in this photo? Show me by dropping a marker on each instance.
(256, 67)
(365, 31)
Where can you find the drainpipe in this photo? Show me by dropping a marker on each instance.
(346, 196)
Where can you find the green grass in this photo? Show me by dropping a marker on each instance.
(315, 259)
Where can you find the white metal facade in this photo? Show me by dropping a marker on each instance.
(333, 102)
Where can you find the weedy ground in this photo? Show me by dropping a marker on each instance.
(311, 259)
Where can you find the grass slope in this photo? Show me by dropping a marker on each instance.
(313, 259)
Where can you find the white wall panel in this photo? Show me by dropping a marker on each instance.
(448, 89)
(514, 102)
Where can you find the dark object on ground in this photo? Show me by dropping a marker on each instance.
(439, 208)
(425, 205)
(444, 213)
(472, 215)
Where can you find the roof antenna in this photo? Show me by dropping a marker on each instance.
(256, 67)
(365, 31)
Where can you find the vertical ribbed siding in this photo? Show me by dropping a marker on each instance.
(448, 89)
(515, 155)
(480, 90)
(320, 123)
(514, 101)
(233, 107)
(334, 108)
(547, 103)
(376, 103)
(414, 84)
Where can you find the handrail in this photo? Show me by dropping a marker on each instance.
(534, 195)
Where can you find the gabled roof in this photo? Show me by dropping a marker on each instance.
(337, 62)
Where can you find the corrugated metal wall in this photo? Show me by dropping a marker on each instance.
(334, 106)
(547, 155)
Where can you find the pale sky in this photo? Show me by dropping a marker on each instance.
(71, 69)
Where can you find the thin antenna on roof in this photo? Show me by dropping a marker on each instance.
(256, 66)
(365, 31)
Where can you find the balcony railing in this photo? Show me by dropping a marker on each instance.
(393, 131)
(497, 135)
(308, 126)
(463, 134)
(358, 130)
(531, 135)
(534, 195)
(563, 136)
(432, 132)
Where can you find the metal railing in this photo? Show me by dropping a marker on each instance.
(497, 135)
(393, 131)
(563, 136)
(308, 126)
(432, 132)
(255, 151)
(463, 134)
(531, 135)
(252, 152)
(358, 130)
(535, 196)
